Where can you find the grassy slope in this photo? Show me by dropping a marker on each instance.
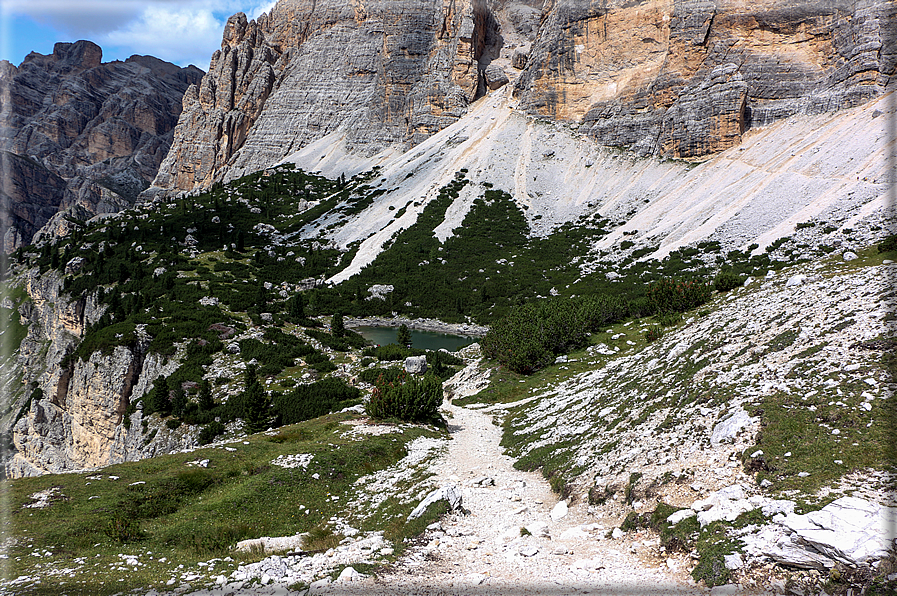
(189, 514)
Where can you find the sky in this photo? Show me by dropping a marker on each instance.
(180, 31)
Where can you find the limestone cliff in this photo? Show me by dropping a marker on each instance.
(685, 78)
(390, 73)
(77, 132)
(64, 413)
(673, 78)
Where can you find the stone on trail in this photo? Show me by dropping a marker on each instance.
(349, 575)
(559, 511)
(450, 493)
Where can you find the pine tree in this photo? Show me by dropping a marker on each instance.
(255, 403)
(159, 400)
(297, 307)
(206, 402)
(404, 336)
(337, 328)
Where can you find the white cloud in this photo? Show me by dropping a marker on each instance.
(180, 31)
(181, 35)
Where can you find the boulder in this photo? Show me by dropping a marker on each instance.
(349, 575)
(728, 427)
(416, 365)
(495, 77)
(451, 493)
(559, 511)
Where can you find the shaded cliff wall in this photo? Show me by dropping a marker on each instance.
(101, 129)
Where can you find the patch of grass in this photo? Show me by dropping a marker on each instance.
(825, 441)
(187, 514)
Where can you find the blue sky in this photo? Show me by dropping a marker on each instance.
(180, 31)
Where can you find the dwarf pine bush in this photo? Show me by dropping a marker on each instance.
(409, 398)
(672, 295)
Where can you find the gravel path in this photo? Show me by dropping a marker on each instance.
(483, 550)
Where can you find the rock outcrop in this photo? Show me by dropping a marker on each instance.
(68, 414)
(76, 131)
(685, 78)
(389, 74)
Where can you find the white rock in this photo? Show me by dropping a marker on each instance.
(616, 534)
(416, 365)
(680, 515)
(733, 561)
(728, 428)
(559, 511)
(795, 280)
(849, 256)
(449, 492)
(529, 551)
(348, 575)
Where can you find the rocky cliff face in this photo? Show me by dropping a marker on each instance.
(389, 73)
(685, 78)
(79, 132)
(673, 78)
(67, 415)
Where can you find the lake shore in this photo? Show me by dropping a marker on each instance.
(433, 325)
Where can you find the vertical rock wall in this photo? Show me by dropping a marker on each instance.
(387, 72)
(684, 78)
(77, 418)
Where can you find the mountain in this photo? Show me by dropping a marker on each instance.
(674, 218)
(680, 79)
(81, 136)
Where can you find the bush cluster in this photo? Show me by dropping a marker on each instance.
(673, 295)
(727, 280)
(316, 399)
(531, 335)
(409, 398)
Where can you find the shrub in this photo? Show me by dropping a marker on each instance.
(409, 398)
(313, 400)
(888, 244)
(123, 528)
(210, 431)
(653, 333)
(530, 336)
(727, 280)
(671, 295)
(389, 375)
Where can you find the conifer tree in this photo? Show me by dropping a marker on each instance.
(206, 402)
(255, 403)
(337, 328)
(404, 336)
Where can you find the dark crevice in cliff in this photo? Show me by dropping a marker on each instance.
(486, 43)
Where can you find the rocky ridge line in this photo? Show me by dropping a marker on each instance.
(81, 136)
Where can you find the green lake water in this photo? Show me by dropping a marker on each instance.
(422, 340)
